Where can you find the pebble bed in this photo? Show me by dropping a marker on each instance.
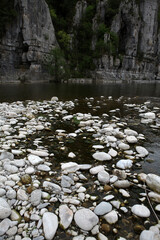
(66, 174)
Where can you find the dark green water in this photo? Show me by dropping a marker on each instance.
(41, 91)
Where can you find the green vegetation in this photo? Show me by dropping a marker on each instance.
(57, 66)
(111, 10)
(7, 14)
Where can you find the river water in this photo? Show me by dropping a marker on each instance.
(41, 91)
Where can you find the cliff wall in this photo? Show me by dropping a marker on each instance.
(27, 42)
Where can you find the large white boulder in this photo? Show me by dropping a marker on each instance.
(50, 225)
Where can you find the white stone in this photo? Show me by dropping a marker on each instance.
(124, 193)
(147, 235)
(36, 197)
(142, 151)
(4, 226)
(131, 139)
(11, 194)
(17, 152)
(52, 186)
(124, 163)
(108, 197)
(140, 211)
(66, 216)
(102, 208)
(10, 168)
(5, 209)
(85, 219)
(112, 152)
(50, 225)
(21, 195)
(54, 99)
(12, 231)
(130, 132)
(43, 167)
(154, 196)
(124, 146)
(19, 163)
(39, 153)
(71, 155)
(29, 170)
(149, 115)
(98, 146)
(96, 169)
(157, 208)
(2, 192)
(102, 237)
(35, 160)
(111, 217)
(101, 156)
(103, 177)
(69, 167)
(153, 182)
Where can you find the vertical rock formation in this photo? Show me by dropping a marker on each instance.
(27, 41)
(136, 26)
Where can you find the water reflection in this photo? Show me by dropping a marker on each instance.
(40, 91)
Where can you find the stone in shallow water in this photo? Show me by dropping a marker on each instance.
(122, 184)
(101, 156)
(50, 225)
(66, 216)
(140, 211)
(103, 177)
(5, 209)
(34, 160)
(124, 164)
(85, 219)
(153, 182)
(147, 235)
(111, 217)
(102, 208)
(142, 151)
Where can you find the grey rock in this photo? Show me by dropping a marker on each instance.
(50, 225)
(102, 208)
(36, 197)
(4, 226)
(66, 216)
(5, 210)
(85, 219)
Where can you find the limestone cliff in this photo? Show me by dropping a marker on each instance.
(136, 26)
(27, 41)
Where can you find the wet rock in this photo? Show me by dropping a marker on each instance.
(142, 151)
(140, 211)
(102, 208)
(5, 209)
(153, 182)
(106, 227)
(107, 188)
(85, 219)
(101, 156)
(122, 184)
(50, 225)
(111, 217)
(26, 179)
(138, 228)
(36, 197)
(147, 235)
(66, 216)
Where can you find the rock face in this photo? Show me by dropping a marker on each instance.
(27, 41)
(138, 42)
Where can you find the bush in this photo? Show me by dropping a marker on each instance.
(112, 9)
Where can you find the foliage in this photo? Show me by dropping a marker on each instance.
(7, 14)
(57, 66)
(64, 39)
(111, 10)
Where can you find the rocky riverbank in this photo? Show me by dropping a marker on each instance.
(72, 170)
